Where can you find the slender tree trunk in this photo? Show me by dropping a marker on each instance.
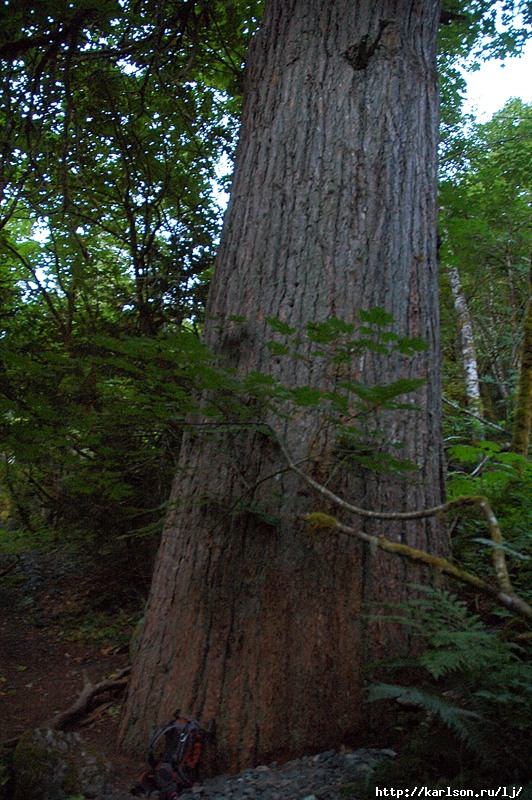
(523, 406)
(467, 343)
(333, 209)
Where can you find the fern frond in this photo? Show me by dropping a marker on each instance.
(460, 720)
(463, 651)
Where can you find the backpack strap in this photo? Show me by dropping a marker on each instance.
(158, 734)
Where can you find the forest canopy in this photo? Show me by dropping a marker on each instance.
(119, 125)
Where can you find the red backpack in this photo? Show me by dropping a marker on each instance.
(176, 768)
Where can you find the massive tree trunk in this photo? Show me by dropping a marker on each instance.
(333, 209)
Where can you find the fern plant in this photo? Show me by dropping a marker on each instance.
(471, 710)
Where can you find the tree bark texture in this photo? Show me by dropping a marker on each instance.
(333, 209)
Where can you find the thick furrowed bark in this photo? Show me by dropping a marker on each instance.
(333, 209)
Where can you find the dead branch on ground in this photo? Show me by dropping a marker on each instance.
(92, 695)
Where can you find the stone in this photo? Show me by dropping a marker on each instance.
(53, 765)
(351, 758)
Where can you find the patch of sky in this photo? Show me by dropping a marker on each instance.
(490, 84)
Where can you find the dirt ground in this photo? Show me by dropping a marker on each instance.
(45, 661)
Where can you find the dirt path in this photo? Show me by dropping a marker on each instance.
(42, 668)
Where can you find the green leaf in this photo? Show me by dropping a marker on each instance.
(510, 550)
(278, 349)
(306, 396)
(376, 316)
(466, 453)
(328, 331)
(279, 326)
(408, 346)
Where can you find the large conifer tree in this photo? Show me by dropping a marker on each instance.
(333, 210)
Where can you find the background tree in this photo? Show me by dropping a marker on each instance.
(108, 230)
(486, 231)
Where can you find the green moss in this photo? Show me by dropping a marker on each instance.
(31, 763)
(318, 521)
(50, 765)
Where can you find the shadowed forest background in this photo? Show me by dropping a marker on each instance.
(119, 127)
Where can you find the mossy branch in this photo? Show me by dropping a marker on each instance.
(503, 593)
(509, 600)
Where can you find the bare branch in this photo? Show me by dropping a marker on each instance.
(480, 419)
(86, 700)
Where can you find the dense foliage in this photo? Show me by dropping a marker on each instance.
(113, 123)
(486, 231)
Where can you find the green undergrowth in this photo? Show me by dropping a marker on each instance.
(112, 629)
(465, 721)
(505, 478)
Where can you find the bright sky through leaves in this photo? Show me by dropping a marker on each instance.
(498, 81)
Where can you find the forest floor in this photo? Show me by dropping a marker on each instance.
(58, 629)
(61, 626)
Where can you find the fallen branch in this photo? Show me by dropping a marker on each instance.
(86, 701)
(86, 704)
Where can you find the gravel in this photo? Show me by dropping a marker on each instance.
(318, 777)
